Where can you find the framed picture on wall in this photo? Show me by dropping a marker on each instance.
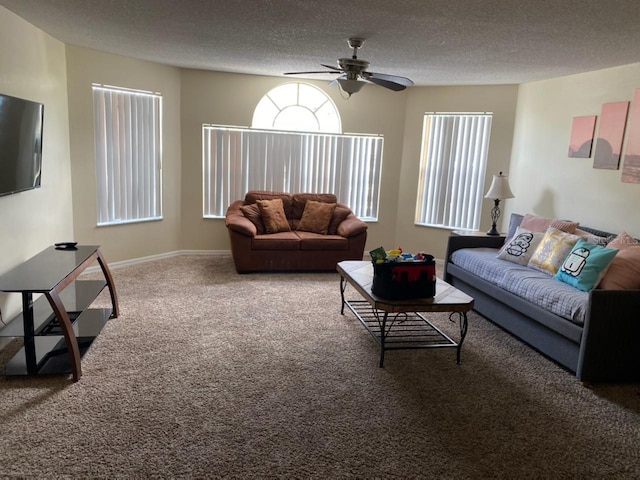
(582, 130)
(613, 120)
(631, 167)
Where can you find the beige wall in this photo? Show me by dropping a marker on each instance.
(32, 66)
(544, 180)
(230, 99)
(501, 100)
(136, 240)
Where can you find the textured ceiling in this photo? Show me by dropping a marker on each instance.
(433, 42)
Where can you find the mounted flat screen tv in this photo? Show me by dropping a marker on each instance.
(21, 123)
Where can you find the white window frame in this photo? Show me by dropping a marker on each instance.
(453, 165)
(239, 159)
(128, 150)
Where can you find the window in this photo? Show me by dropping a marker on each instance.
(452, 169)
(297, 106)
(295, 145)
(128, 143)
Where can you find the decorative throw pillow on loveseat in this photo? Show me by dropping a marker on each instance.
(585, 265)
(552, 250)
(521, 247)
(273, 217)
(340, 214)
(316, 217)
(252, 212)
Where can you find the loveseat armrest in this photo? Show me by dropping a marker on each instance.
(457, 242)
(236, 221)
(610, 346)
(351, 226)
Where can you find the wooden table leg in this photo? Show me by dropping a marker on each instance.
(67, 330)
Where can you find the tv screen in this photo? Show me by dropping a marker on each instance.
(21, 124)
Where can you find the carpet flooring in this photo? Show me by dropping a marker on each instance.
(211, 374)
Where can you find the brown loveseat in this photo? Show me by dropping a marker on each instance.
(275, 231)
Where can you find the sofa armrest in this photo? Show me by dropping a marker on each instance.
(351, 226)
(457, 242)
(236, 221)
(610, 346)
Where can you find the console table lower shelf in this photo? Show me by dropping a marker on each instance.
(58, 326)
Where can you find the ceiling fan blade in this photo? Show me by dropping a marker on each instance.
(331, 67)
(303, 73)
(396, 87)
(390, 78)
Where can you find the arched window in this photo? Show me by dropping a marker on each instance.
(297, 107)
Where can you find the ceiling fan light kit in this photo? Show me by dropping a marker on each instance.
(350, 86)
(354, 74)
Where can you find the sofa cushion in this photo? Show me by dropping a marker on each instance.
(253, 196)
(273, 216)
(514, 222)
(521, 247)
(316, 217)
(252, 212)
(276, 241)
(585, 265)
(536, 223)
(537, 287)
(299, 201)
(552, 250)
(624, 271)
(316, 241)
(339, 215)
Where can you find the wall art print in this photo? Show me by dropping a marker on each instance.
(613, 120)
(581, 140)
(631, 167)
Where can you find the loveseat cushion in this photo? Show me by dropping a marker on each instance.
(252, 212)
(273, 216)
(276, 241)
(299, 201)
(253, 196)
(537, 287)
(339, 215)
(316, 241)
(316, 217)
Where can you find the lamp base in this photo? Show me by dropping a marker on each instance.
(494, 231)
(495, 215)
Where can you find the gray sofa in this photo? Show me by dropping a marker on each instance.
(603, 347)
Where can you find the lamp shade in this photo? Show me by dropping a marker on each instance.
(499, 188)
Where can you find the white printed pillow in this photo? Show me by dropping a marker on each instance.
(520, 248)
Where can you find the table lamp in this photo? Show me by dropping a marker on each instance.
(499, 190)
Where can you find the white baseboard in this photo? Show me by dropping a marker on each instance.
(160, 256)
(176, 253)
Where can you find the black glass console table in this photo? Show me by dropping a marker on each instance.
(58, 327)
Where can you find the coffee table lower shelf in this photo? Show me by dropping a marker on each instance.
(406, 330)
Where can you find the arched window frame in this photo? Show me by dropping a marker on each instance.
(297, 106)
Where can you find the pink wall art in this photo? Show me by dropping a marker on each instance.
(613, 120)
(631, 167)
(581, 139)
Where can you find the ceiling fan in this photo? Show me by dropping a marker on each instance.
(353, 69)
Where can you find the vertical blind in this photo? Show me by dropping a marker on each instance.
(236, 160)
(452, 170)
(128, 143)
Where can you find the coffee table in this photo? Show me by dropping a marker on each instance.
(400, 324)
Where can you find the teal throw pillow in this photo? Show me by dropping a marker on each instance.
(585, 265)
